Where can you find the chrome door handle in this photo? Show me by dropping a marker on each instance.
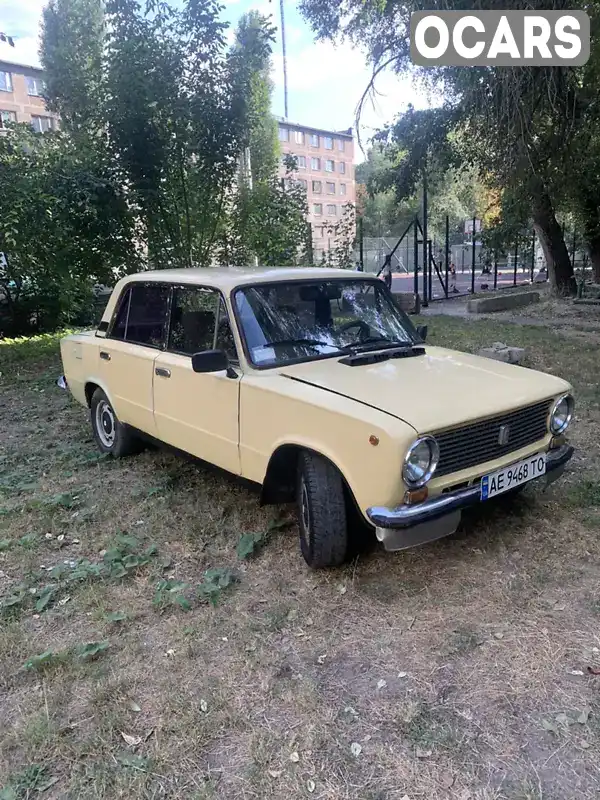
(162, 372)
(105, 355)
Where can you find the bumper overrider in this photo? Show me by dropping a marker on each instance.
(410, 525)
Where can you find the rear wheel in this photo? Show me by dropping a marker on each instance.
(322, 519)
(112, 437)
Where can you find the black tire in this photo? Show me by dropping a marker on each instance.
(322, 519)
(111, 436)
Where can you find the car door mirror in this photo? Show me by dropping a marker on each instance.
(422, 332)
(212, 361)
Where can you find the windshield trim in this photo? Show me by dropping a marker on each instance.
(349, 278)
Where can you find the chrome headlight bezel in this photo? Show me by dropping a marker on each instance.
(434, 457)
(569, 399)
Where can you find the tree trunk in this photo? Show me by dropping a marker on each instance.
(593, 243)
(560, 269)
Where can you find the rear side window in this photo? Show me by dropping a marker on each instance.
(142, 315)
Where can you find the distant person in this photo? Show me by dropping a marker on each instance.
(452, 278)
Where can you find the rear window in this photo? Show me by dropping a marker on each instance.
(142, 315)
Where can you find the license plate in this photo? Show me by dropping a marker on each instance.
(505, 479)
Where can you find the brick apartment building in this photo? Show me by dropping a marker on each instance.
(326, 169)
(21, 100)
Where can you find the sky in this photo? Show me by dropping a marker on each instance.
(325, 81)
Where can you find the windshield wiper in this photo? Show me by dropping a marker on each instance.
(309, 342)
(381, 341)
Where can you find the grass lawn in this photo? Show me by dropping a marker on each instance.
(142, 657)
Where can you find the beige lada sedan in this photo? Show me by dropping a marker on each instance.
(313, 384)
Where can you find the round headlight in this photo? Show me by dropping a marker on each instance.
(420, 462)
(561, 414)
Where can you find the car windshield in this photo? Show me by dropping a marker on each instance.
(302, 320)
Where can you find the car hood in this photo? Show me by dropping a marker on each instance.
(434, 391)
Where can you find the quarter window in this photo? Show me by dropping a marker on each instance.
(142, 315)
(199, 321)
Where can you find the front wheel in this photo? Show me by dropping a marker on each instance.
(322, 520)
(112, 437)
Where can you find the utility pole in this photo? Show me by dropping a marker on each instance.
(285, 82)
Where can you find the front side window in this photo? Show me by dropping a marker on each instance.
(142, 315)
(6, 82)
(35, 87)
(199, 321)
(302, 320)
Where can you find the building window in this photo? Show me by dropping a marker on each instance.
(299, 137)
(314, 140)
(329, 166)
(284, 135)
(330, 187)
(317, 208)
(318, 231)
(315, 163)
(41, 124)
(5, 82)
(342, 188)
(317, 187)
(341, 145)
(303, 184)
(328, 141)
(332, 210)
(342, 168)
(301, 162)
(6, 117)
(35, 87)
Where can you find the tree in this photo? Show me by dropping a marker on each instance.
(73, 38)
(517, 122)
(64, 225)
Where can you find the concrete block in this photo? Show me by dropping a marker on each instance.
(501, 352)
(503, 302)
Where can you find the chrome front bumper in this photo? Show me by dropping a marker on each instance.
(410, 525)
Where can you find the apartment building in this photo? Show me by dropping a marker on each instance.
(325, 169)
(21, 100)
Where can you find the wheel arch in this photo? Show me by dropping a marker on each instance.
(90, 387)
(279, 484)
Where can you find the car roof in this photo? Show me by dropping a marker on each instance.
(227, 278)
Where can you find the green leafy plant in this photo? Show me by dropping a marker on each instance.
(171, 592)
(215, 581)
(90, 650)
(41, 660)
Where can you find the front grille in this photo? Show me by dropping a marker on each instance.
(466, 447)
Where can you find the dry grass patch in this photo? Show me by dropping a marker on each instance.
(457, 670)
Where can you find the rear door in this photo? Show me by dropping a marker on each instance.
(198, 412)
(128, 352)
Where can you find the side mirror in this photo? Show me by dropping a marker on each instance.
(422, 332)
(212, 361)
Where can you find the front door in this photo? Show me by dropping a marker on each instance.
(127, 354)
(198, 412)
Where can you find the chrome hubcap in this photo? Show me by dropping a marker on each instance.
(105, 424)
